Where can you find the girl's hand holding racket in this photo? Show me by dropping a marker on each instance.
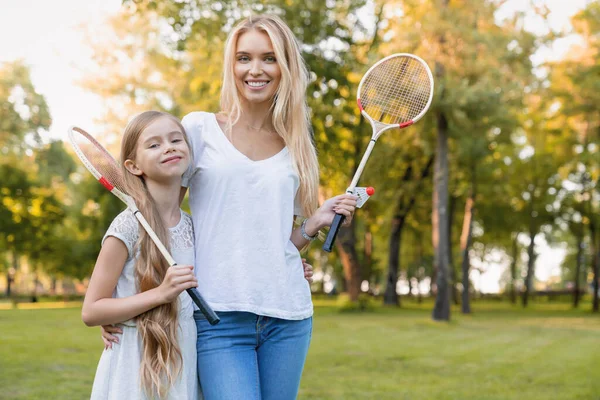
(177, 279)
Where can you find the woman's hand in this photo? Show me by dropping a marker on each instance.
(344, 204)
(109, 335)
(308, 271)
(177, 279)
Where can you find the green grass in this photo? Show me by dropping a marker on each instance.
(47, 354)
(497, 353)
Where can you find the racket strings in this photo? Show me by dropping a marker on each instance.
(399, 79)
(99, 158)
(396, 91)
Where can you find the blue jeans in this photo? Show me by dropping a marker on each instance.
(251, 357)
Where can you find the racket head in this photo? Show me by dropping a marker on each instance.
(395, 92)
(99, 162)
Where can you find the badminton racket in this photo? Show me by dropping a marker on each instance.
(394, 93)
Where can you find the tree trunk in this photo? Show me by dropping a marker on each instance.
(390, 296)
(401, 212)
(10, 278)
(513, 269)
(34, 297)
(578, 263)
(367, 269)
(433, 279)
(465, 245)
(530, 267)
(346, 244)
(596, 279)
(8, 284)
(53, 286)
(595, 264)
(420, 270)
(451, 269)
(441, 310)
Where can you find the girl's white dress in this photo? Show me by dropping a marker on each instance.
(117, 376)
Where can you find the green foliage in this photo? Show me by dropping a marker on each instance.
(24, 114)
(527, 145)
(23, 201)
(490, 95)
(46, 215)
(575, 84)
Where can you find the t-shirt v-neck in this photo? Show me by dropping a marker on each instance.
(238, 153)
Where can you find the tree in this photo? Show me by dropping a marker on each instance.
(23, 117)
(575, 83)
(410, 185)
(476, 97)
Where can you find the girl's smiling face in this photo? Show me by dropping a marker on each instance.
(162, 152)
(256, 70)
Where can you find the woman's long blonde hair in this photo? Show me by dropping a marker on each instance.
(290, 116)
(161, 356)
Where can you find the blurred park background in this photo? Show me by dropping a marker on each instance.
(473, 271)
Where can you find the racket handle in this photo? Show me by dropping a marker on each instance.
(338, 220)
(208, 312)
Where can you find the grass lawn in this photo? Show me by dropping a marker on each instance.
(498, 353)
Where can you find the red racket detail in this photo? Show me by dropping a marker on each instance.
(106, 183)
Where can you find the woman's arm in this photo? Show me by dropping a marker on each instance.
(100, 308)
(344, 204)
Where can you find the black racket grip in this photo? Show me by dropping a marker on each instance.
(338, 220)
(208, 312)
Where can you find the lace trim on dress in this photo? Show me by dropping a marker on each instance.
(126, 228)
(182, 235)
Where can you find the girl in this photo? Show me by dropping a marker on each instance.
(133, 285)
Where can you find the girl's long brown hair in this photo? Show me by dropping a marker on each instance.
(161, 359)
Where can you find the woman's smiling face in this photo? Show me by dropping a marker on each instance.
(256, 70)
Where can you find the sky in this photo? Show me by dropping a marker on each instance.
(47, 35)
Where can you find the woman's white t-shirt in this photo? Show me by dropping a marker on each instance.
(243, 213)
